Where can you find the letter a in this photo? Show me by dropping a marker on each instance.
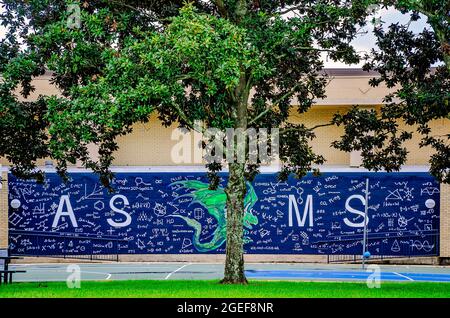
(60, 212)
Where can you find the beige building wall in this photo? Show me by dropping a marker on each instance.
(445, 221)
(150, 144)
(319, 115)
(421, 156)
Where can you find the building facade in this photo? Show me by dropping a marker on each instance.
(147, 151)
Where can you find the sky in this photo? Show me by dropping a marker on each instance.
(363, 43)
(366, 42)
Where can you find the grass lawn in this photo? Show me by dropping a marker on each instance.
(211, 289)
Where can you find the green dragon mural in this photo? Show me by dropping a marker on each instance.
(214, 201)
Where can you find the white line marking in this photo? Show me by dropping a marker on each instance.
(108, 275)
(178, 269)
(408, 278)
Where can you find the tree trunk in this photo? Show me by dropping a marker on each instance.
(236, 191)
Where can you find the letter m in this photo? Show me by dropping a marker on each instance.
(307, 212)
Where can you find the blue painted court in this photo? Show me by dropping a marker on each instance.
(254, 271)
(350, 275)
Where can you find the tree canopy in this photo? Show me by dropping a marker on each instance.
(416, 66)
(225, 63)
(127, 60)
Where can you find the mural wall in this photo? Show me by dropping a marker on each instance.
(175, 213)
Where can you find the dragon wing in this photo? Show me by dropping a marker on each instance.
(251, 198)
(214, 201)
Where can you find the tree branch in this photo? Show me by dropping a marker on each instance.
(274, 104)
(188, 121)
(221, 8)
(291, 9)
(124, 4)
(309, 129)
(321, 126)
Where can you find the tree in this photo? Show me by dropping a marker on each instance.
(417, 68)
(40, 37)
(187, 63)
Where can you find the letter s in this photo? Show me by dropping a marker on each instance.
(111, 205)
(352, 210)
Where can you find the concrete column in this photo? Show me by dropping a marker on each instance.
(4, 210)
(355, 159)
(445, 221)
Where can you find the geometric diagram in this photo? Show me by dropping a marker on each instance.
(300, 197)
(41, 226)
(39, 209)
(395, 247)
(300, 192)
(263, 232)
(186, 243)
(425, 245)
(15, 219)
(140, 244)
(95, 194)
(99, 205)
(429, 190)
(394, 195)
(140, 181)
(305, 238)
(403, 222)
(15, 204)
(408, 193)
(430, 203)
(270, 191)
(198, 213)
(159, 209)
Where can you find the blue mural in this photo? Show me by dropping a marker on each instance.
(176, 213)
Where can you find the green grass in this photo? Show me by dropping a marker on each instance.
(211, 289)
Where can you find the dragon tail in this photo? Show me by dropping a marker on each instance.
(215, 243)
